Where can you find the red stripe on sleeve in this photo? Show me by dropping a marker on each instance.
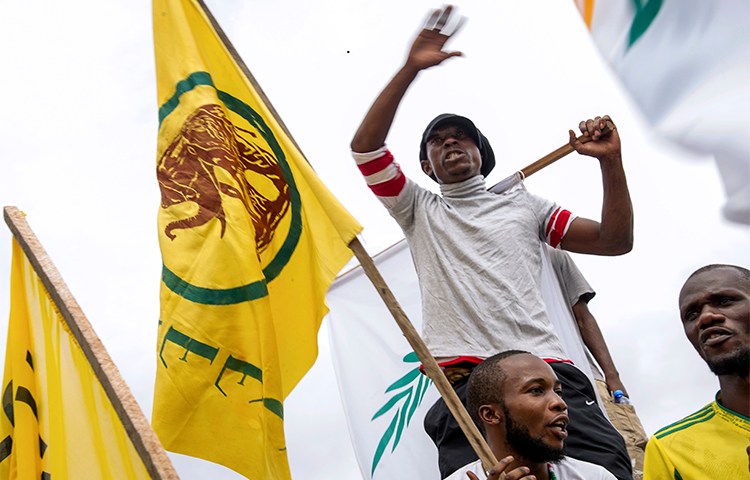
(554, 239)
(562, 221)
(377, 165)
(551, 221)
(391, 188)
(559, 228)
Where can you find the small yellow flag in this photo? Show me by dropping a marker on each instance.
(57, 421)
(251, 241)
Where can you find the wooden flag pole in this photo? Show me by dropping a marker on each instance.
(556, 155)
(241, 64)
(136, 425)
(431, 366)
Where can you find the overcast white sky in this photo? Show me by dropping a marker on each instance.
(79, 142)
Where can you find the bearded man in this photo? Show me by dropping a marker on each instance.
(516, 400)
(712, 442)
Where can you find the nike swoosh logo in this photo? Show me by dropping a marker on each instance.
(589, 402)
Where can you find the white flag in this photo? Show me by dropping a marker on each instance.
(686, 64)
(385, 396)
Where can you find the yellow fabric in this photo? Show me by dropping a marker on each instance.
(251, 241)
(57, 421)
(709, 444)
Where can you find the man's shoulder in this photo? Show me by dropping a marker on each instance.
(413, 195)
(514, 190)
(687, 424)
(709, 443)
(516, 196)
(712, 420)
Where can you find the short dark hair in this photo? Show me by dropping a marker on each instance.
(744, 273)
(486, 384)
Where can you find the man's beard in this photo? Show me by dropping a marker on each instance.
(736, 362)
(526, 446)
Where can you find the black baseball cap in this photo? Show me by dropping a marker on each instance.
(485, 149)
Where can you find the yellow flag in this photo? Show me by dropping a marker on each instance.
(251, 241)
(57, 421)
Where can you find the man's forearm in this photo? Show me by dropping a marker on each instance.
(374, 128)
(613, 234)
(617, 209)
(426, 51)
(594, 340)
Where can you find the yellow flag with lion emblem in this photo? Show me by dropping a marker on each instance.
(251, 241)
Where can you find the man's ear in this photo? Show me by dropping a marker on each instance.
(426, 167)
(490, 414)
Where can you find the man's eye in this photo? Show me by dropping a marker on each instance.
(436, 141)
(460, 134)
(689, 315)
(537, 390)
(724, 301)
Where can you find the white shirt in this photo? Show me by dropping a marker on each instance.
(567, 469)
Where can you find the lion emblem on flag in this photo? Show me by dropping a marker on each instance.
(210, 160)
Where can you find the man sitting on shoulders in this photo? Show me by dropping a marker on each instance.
(516, 400)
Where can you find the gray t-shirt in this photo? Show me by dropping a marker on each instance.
(478, 261)
(574, 287)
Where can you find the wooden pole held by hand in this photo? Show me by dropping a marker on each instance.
(556, 155)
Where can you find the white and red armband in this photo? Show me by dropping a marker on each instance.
(557, 226)
(382, 174)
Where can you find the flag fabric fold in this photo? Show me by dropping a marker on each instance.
(251, 241)
(686, 65)
(57, 420)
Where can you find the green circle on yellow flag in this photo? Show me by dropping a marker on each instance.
(230, 212)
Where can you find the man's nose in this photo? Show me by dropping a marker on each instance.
(710, 315)
(558, 404)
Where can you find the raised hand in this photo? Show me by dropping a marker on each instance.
(600, 146)
(427, 49)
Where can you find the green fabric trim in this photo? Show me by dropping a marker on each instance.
(730, 412)
(681, 426)
(703, 411)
